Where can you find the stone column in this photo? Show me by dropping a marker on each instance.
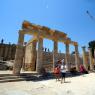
(19, 54)
(77, 57)
(39, 64)
(23, 65)
(84, 59)
(10, 52)
(91, 60)
(33, 55)
(1, 51)
(6, 52)
(67, 56)
(55, 51)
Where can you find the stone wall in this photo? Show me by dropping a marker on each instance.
(47, 59)
(28, 59)
(7, 51)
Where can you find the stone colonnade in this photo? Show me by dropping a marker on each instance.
(40, 33)
(91, 59)
(7, 51)
(39, 65)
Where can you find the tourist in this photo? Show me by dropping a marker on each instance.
(57, 72)
(83, 70)
(63, 70)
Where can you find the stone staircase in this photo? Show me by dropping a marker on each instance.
(24, 77)
(14, 78)
(10, 79)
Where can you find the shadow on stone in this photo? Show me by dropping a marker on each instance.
(31, 77)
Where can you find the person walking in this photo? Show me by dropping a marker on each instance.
(63, 70)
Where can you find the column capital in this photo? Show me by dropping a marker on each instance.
(68, 41)
(54, 40)
(75, 43)
(21, 37)
(40, 37)
(21, 32)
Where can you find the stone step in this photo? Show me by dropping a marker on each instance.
(11, 80)
(9, 77)
(16, 78)
(22, 77)
(12, 77)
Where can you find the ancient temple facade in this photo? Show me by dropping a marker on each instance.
(37, 56)
(32, 57)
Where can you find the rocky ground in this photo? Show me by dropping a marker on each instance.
(79, 85)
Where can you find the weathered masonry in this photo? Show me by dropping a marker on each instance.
(7, 51)
(39, 33)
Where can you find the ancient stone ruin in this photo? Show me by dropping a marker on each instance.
(36, 56)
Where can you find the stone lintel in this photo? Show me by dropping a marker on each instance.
(30, 26)
(44, 35)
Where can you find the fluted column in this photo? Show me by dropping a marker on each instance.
(91, 60)
(19, 54)
(77, 57)
(39, 64)
(84, 59)
(67, 56)
(55, 51)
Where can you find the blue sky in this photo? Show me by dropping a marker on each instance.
(68, 16)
